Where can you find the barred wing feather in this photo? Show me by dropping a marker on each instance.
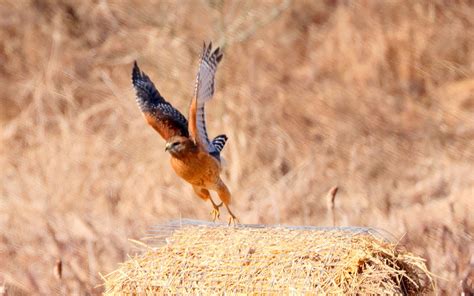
(160, 114)
(204, 91)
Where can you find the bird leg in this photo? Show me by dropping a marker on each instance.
(232, 219)
(205, 195)
(214, 204)
(225, 197)
(215, 213)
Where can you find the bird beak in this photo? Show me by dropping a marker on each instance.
(167, 147)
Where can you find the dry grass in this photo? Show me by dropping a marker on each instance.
(374, 96)
(277, 261)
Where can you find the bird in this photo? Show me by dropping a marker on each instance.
(194, 157)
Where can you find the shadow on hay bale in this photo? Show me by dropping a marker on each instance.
(194, 257)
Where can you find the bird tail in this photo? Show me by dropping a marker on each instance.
(219, 142)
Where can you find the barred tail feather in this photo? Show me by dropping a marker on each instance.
(219, 142)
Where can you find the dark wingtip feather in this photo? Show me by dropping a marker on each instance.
(136, 73)
(217, 53)
(207, 51)
(147, 95)
(219, 56)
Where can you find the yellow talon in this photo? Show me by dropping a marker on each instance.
(215, 213)
(233, 220)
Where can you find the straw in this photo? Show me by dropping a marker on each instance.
(193, 257)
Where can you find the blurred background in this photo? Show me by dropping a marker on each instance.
(376, 97)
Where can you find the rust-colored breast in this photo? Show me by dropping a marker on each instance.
(199, 169)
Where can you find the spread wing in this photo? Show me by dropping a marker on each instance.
(204, 91)
(160, 114)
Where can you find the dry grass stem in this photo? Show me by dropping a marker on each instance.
(331, 200)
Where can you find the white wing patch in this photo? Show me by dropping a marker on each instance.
(205, 90)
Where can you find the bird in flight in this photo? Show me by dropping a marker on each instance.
(194, 157)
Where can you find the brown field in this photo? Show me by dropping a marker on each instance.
(376, 97)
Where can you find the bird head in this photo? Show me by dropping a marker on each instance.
(178, 144)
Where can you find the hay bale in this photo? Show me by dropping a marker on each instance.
(199, 258)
